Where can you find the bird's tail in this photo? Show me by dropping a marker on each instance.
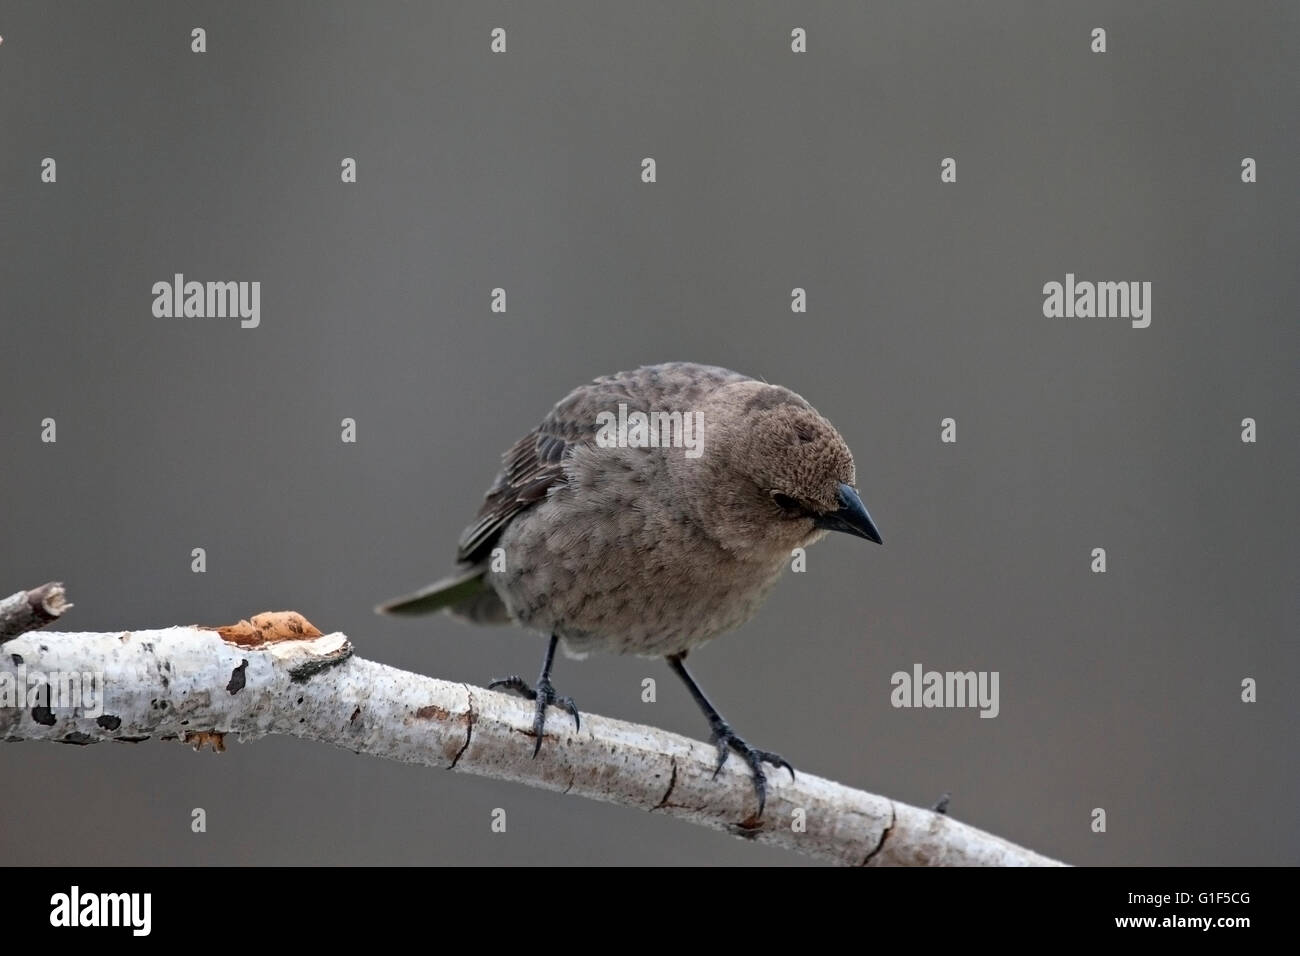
(465, 594)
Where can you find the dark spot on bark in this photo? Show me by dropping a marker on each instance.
(18, 659)
(306, 671)
(884, 834)
(41, 714)
(355, 714)
(109, 721)
(78, 738)
(748, 828)
(237, 678)
(672, 782)
(470, 717)
(433, 712)
(132, 740)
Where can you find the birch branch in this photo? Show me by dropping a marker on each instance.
(28, 610)
(279, 675)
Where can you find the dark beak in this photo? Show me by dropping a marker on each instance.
(852, 517)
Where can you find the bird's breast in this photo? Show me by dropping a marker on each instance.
(627, 579)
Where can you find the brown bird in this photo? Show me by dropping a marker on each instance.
(651, 533)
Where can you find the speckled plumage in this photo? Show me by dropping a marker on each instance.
(644, 550)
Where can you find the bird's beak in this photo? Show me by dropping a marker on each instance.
(852, 517)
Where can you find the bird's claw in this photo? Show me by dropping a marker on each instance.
(545, 696)
(516, 684)
(727, 741)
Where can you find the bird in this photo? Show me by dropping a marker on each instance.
(650, 541)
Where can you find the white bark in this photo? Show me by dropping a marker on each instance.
(195, 685)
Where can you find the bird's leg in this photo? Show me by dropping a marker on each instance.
(544, 694)
(726, 738)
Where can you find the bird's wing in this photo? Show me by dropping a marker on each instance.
(529, 470)
(535, 464)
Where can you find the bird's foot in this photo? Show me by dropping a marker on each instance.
(726, 740)
(545, 696)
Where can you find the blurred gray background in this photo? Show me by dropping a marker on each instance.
(775, 170)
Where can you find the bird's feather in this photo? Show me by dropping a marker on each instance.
(457, 589)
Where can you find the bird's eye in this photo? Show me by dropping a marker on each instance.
(786, 503)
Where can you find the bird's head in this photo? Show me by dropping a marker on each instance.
(779, 474)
